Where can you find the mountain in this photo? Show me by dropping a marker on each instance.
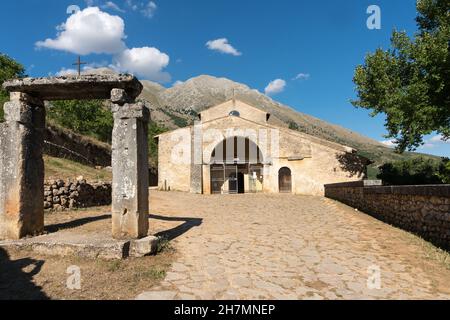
(177, 107)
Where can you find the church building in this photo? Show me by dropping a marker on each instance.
(233, 148)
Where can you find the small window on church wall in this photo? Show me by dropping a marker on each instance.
(235, 113)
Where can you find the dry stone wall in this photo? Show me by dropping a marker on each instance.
(423, 210)
(62, 195)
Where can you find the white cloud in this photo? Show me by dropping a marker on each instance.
(94, 31)
(177, 83)
(144, 62)
(302, 76)
(222, 45)
(89, 31)
(439, 139)
(275, 86)
(389, 143)
(132, 5)
(149, 9)
(66, 72)
(430, 143)
(434, 142)
(146, 7)
(86, 68)
(113, 6)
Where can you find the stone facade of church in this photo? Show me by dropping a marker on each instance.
(233, 148)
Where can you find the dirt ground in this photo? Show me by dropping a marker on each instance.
(27, 275)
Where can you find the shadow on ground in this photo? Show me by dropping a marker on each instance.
(174, 233)
(16, 278)
(170, 234)
(75, 223)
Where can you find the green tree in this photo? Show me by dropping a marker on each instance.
(9, 69)
(410, 82)
(414, 171)
(88, 117)
(153, 130)
(444, 170)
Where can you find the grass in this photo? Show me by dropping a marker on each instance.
(57, 168)
(178, 121)
(114, 266)
(83, 138)
(152, 273)
(138, 273)
(431, 251)
(372, 172)
(435, 253)
(164, 245)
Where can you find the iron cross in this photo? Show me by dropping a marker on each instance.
(79, 64)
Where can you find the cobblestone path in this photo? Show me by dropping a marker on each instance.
(289, 247)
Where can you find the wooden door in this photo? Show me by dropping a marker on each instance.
(285, 180)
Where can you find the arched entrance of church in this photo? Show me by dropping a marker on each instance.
(285, 180)
(236, 167)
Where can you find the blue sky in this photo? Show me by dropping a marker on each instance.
(166, 40)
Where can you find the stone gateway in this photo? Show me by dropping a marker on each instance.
(237, 148)
(21, 145)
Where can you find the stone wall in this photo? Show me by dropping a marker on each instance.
(423, 210)
(61, 195)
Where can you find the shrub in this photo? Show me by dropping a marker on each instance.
(9, 69)
(444, 170)
(415, 171)
(293, 125)
(89, 117)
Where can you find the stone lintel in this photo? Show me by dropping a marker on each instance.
(85, 87)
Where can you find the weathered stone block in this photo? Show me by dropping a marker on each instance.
(21, 170)
(142, 247)
(131, 111)
(119, 96)
(130, 172)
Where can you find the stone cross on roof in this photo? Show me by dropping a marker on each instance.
(234, 96)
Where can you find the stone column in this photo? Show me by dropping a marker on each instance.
(206, 179)
(196, 159)
(130, 202)
(22, 167)
(268, 180)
